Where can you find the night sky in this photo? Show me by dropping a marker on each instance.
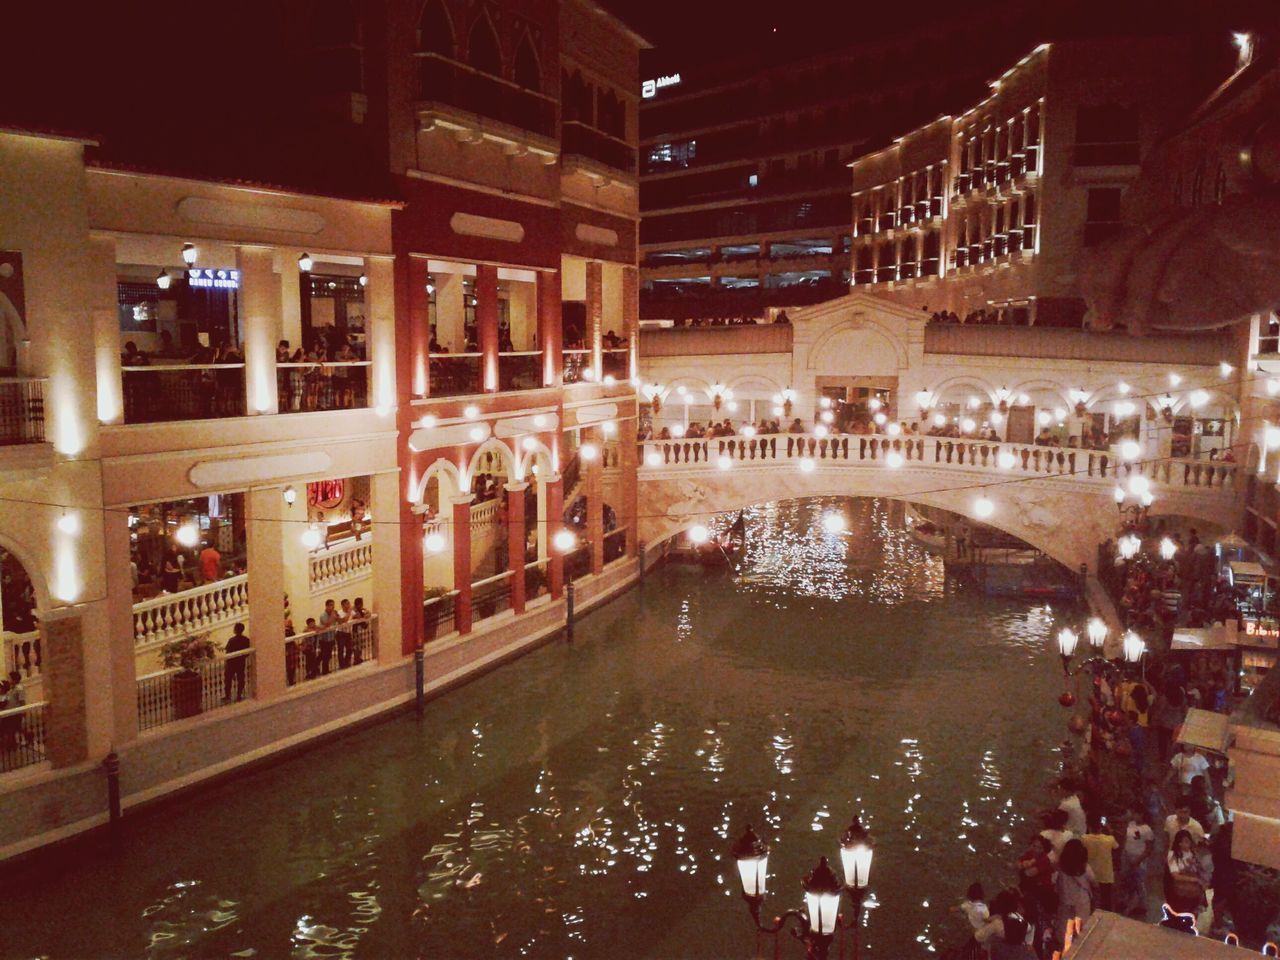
(145, 71)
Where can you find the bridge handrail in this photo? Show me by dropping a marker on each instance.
(996, 457)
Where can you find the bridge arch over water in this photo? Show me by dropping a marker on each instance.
(1060, 502)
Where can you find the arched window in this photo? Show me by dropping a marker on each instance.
(483, 50)
(612, 115)
(577, 98)
(528, 71)
(435, 32)
(337, 55)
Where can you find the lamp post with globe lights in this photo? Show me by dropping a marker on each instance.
(819, 922)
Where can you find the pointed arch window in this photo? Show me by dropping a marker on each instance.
(483, 50)
(527, 68)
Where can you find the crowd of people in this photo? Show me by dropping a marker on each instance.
(984, 316)
(1137, 822)
(318, 384)
(337, 639)
(1155, 595)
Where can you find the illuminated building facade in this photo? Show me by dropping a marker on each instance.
(232, 399)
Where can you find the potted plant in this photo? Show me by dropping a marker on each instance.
(185, 656)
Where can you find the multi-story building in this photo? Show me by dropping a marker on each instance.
(986, 213)
(231, 401)
(745, 191)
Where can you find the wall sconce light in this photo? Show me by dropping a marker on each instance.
(189, 254)
(305, 263)
(290, 495)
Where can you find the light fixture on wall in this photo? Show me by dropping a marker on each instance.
(163, 280)
(434, 542)
(305, 263)
(69, 523)
(290, 495)
(189, 254)
(364, 280)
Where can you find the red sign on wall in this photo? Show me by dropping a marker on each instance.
(325, 494)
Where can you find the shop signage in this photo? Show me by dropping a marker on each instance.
(649, 88)
(1265, 633)
(325, 494)
(217, 278)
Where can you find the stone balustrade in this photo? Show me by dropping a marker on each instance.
(202, 608)
(935, 453)
(340, 564)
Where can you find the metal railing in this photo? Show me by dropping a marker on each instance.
(340, 564)
(938, 452)
(1010, 340)
(536, 578)
(318, 653)
(491, 596)
(173, 615)
(445, 81)
(22, 736)
(21, 654)
(454, 374)
(615, 544)
(520, 370)
(616, 362)
(579, 139)
(21, 410)
(332, 385)
(171, 695)
(438, 612)
(576, 365)
(189, 391)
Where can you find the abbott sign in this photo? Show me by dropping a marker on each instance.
(649, 88)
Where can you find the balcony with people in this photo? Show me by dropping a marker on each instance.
(190, 566)
(183, 333)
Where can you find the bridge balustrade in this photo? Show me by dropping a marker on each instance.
(935, 453)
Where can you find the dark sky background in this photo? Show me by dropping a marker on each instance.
(143, 68)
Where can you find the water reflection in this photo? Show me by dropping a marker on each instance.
(583, 798)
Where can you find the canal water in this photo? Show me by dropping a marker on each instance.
(580, 802)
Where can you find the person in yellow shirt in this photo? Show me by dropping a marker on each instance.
(1101, 844)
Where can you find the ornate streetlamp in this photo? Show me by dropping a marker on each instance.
(817, 925)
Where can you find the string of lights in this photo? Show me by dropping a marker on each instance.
(996, 482)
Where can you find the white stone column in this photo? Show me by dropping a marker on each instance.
(387, 596)
(265, 532)
(380, 331)
(260, 307)
(106, 328)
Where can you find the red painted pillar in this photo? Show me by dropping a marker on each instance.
(462, 562)
(555, 523)
(515, 543)
(550, 332)
(411, 592)
(419, 327)
(631, 318)
(487, 325)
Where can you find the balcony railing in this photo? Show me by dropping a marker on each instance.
(445, 81)
(491, 595)
(616, 363)
(333, 385)
(698, 341)
(340, 564)
(173, 615)
(171, 695)
(21, 654)
(1057, 343)
(22, 733)
(21, 411)
(309, 656)
(615, 544)
(1080, 465)
(437, 615)
(158, 394)
(455, 374)
(576, 364)
(582, 140)
(520, 370)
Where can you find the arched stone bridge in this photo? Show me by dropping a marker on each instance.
(1060, 501)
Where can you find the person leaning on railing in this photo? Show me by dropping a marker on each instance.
(237, 662)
